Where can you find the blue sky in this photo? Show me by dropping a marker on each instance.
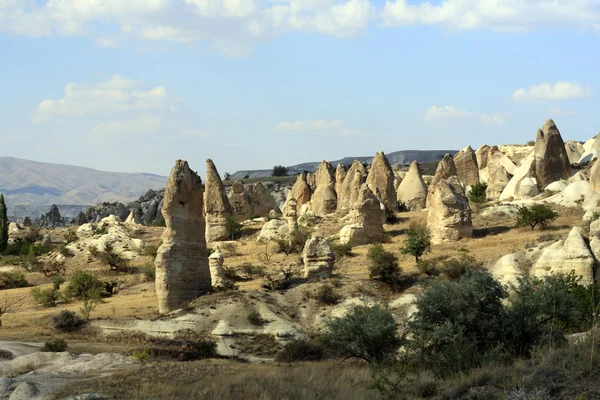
(133, 85)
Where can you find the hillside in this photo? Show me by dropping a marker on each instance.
(31, 184)
(402, 157)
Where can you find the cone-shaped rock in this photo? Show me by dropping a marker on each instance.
(467, 168)
(348, 195)
(324, 199)
(551, 159)
(445, 169)
(413, 189)
(340, 175)
(381, 176)
(449, 217)
(240, 200)
(574, 151)
(182, 271)
(366, 217)
(301, 192)
(216, 205)
(482, 161)
(312, 181)
(263, 201)
(498, 175)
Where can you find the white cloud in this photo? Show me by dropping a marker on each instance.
(192, 133)
(496, 15)
(143, 124)
(436, 113)
(492, 119)
(320, 127)
(232, 26)
(118, 94)
(108, 42)
(7, 139)
(561, 90)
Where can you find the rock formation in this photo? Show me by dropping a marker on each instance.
(216, 205)
(445, 169)
(349, 192)
(312, 181)
(498, 174)
(413, 189)
(522, 184)
(81, 219)
(324, 199)
(565, 256)
(381, 176)
(595, 176)
(574, 151)
(340, 175)
(591, 149)
(182, 271)
(301, 192)
(318, 258)
(215, 264)
(240, 201)
(366, 224)
(263, 201)
(275, 229)
(467, 168)
(482, 161)
(52, 218)
(551, 159)
(449, 217)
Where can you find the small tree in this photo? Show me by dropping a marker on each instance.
(418, 241)
(226, 176)
(5, 306)
(477, 195)
(233, 228)
(537, 214)
(279, 170)
(384, 265)
(3, 225)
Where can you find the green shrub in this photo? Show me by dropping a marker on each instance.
(151, 250)
(209, 251)
(384, 265)
(428, 267)
(101, 229)
(418, 241)
(203, 349)
(368, 333)
(55, 346)
(111, 258)
(67, 321)
(12, 280)
(538, 214)
(477, 195)
(45, 297)
(298, 238)
(85, 285)
(255, 318)
(278, 281)
(279, 170)
(457, 267)
(531, 143)
(149, 272)
(253, 270)
(71, 237)
(300, 350)
(341, 250)
(233, 227)
(327, 295)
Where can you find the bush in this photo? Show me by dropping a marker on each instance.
(66, 252)
(477, 195)
(300, 350)
(12, 280)
(255, 318)
(160, 221)
(45, 297)
(327, 295)
(85, 285)
(458, 267)
(428, 267)
(384, 265)
(418, 241)
(111, 258)
(279, 170)
(537, 214)
(341, 250)
(229, 249)
(150, 250)
(531, 143)
(279, 281)
(149, 272)
(55, 346)
(253, 270)
(101, 229)
(233, 227)
(67, 321)
(71, 237)
(298, 239)
(367, 333)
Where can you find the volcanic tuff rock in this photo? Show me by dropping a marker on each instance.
(498, 174)
(216, 205)
(240, 201)
(301, 192)
(482, 161)
(52, 219)
(381, 176)
(324, 199)
(445, 169)
(348, 195)
(318, 258)
(366, 224)
(182, 271)
(467, 168)
(574, 151)
(263, 201)
(413, 189)
(340, 175)
(551, 159)
(449, 217)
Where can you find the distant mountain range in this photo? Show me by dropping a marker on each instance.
(402, 157)
(30, 187)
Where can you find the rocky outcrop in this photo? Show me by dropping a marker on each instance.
(412, 191)
(507, 270)
(381, 177)
(340, 175)
(301, 192)
(467, 168)
(566, 256)
(551, 159)
(324, 199)
(445, 169)
(366, 224)
(312, 181)
(591, 149)
(182, 271)
(482, 161)
(275, 229)
(217, 207)
(449, 217)
(574, 151)
(240, 201)
(215, 263)
(348, 195)
(263, 201)
(52, 218)
(497, 172)
(318, 258)
(81, 219)
(522, 185)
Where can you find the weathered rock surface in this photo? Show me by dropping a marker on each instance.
(216, 205)
(182, 271)
(340, 175)
(381, 177)
(595, 177)
(467, 168)
(301, 192)
(348, 195)
(263, 201)
(497, 173)
(366, 224)
(445, 169)
(412, 191)
(449, 217)
(551, 159)
(318, 258)
(275, 229)
(482, 161)
(52, 218)
(324, 199)
(507, 269)
(240, 201)
(523, 184)
(574, 151)
(565, 256)
(591, 149)
(215, 263)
